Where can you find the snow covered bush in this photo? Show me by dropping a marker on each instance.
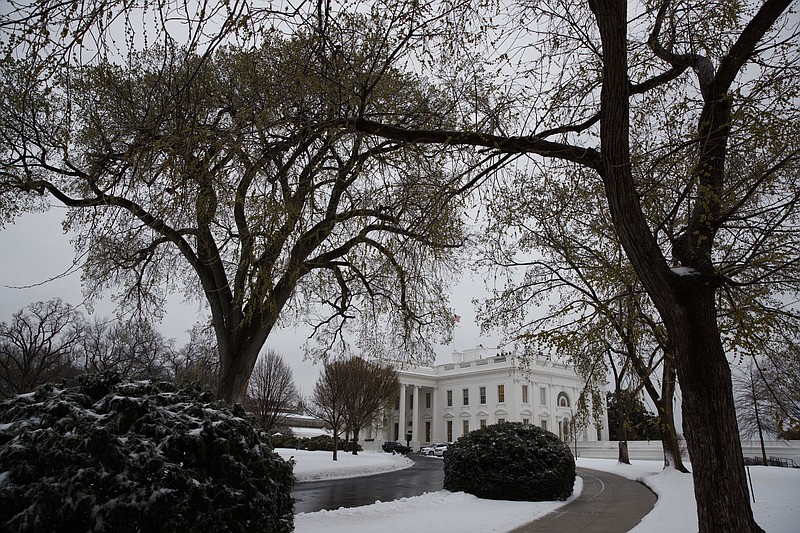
(112, 456)
(510, 461)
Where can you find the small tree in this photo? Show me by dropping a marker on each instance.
(752, 410)
(369, 390)
(637, 421)
(37, 345)
(327, 400)
(272, 391)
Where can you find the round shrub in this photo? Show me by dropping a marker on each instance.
(112, 456)
(510, 461)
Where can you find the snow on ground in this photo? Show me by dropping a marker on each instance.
(314, 466)
(777, 506)
(776, 490)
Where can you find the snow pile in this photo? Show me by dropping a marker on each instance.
(112, 456)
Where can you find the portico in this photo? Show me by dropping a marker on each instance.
(442, 403)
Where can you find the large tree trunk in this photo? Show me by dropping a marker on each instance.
(237, 360)
(709, 419)
(688, 313)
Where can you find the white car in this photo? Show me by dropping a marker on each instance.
(437, 449)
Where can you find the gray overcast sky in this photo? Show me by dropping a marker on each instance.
(35, 249)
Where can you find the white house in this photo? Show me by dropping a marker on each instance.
(442, 403)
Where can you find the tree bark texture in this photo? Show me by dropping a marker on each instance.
(712, 434)
(685, 305)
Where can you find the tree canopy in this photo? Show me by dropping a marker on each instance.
(225, 173)
(684, 113)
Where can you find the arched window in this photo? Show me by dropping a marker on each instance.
(563, 399)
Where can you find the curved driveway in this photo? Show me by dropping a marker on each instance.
(608, 503)
(427, 475)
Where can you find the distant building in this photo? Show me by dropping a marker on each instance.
(442, 403)
(303, 425)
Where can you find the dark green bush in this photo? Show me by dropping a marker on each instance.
(284, 440)
(325, 443)
(144, 456)
(510, 461)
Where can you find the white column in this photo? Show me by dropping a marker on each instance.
(415, 418)
(402, 436)
(436, 418)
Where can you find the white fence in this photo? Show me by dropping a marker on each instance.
(787, 449)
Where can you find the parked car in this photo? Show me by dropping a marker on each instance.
(437, 449)
(392, 446)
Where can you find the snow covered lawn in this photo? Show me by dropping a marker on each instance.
(777, 507)
(314, 466)
(777, 494)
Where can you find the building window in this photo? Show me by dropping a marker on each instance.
(397, 404)
(543, 423)
(427, 400)
(501, 393)
(542, 396)
(524, 394)
(427, 431)
(483, 423)
(563, 399)
(466, 397)
(411, 402)
(464, 427)
(482, 393)
(449, 398)
(501, 420)
(396, 431)
(526, 421)
(449, 430)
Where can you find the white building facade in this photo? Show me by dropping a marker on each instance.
(444, 402)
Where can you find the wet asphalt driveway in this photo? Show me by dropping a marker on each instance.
(607, 504)
(427, 475)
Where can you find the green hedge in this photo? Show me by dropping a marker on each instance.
(510, 461)
(325, 443)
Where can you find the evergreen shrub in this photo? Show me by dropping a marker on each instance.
(146, 456)
(510, 461)
(325, 443)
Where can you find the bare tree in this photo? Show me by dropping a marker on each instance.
(570, 290)
(272, 391)
(38, 345)
(370, 389)
(753, 409)
(231, 173)
(133, 348)
(328, 400)
(690, 108)
(197, 361)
